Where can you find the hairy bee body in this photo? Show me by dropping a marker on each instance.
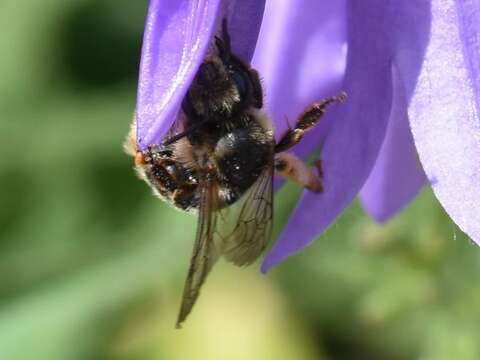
(225, 136)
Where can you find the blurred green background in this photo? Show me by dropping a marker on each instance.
(92, 266)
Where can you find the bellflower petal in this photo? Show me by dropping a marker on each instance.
(397, 175)
(444, 111)
(176, 39)
(378, 31)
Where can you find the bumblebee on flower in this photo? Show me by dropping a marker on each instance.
(205, 144)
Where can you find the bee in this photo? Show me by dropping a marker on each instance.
(219, 159)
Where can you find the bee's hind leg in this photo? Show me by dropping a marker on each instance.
(292, 167)
(295, 169)
(307, 120)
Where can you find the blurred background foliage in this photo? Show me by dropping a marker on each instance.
(92, 266)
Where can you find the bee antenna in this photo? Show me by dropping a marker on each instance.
(223, 44)
(222, 53)
(225, 35)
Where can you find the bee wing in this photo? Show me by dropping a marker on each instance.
(241, 234)
(250, 225)
(204, 253)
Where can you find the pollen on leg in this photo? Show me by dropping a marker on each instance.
(139, 159)
(294, 169)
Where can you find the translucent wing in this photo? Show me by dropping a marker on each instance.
(241, 233)
(246, 227)
(205, 252)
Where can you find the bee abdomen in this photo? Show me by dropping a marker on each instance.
(242, 155)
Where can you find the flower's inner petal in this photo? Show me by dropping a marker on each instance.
(375, 31)
(397, 175)
(176, 38)
(300, 55)
(245, 19)
(444, 111)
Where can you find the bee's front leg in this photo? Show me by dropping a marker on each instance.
(295, 169)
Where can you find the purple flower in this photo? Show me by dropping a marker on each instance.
(412, 73)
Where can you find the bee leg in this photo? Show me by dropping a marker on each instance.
(307, 120)
(292, 168)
